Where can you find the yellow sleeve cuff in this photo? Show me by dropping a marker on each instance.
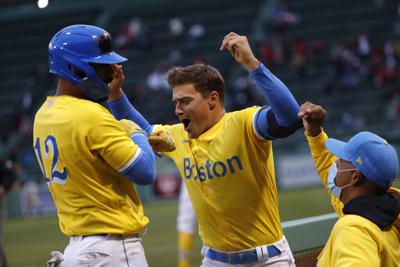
(317, 143)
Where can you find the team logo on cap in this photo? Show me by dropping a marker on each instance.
(359, 161)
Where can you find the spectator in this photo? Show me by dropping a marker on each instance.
(393, 107)
(176, 31)
(8, 176)
(156, 79)
(195, 32)
(134, 34)
(284, 18)
(299, 59)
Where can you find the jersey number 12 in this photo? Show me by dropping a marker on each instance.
(55, 176)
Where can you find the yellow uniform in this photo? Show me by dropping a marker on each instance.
(354, 240)
(229, 174)
(81, 150)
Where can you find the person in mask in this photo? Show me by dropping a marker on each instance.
(357, 176)
(88, 158)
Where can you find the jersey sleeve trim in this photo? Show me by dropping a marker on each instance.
(131, 161)
(255, 129)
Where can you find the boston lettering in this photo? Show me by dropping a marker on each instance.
(211, 170)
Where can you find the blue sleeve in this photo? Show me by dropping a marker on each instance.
(283, 110)
(121, 108)
(142, 170)
(261, 124)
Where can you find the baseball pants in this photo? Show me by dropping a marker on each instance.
(104, 251)
(186, 221)
(284, 259)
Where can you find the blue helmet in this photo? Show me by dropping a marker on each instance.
(72, 49)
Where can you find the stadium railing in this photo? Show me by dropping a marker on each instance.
(308, 236)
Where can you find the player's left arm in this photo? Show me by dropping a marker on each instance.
(119, 104)
(280, 118)
(122, 109)
(142, 169)
(125, 149)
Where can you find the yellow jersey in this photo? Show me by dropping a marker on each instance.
(81, 150)
(229, 174)
(354, 240)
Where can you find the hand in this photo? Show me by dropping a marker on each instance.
(239, 48)
(162, 141)
(115, 85)
(313, 117)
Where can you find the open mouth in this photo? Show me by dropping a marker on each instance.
(186, 123)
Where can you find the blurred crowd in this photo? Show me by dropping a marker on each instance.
(336, 68)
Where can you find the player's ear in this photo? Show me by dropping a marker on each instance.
(357, 178)
(213, 99)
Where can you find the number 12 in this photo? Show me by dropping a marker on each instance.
(55, 176)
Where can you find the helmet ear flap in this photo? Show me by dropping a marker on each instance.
(89, 83)
(80, 73)
(76, 70)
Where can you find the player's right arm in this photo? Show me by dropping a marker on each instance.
(313, 117)
(142, 170)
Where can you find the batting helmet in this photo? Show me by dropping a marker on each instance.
(72, 49)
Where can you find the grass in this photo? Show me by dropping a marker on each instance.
(34, 239)
(29, 242)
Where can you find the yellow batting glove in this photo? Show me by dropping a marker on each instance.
(162, 141)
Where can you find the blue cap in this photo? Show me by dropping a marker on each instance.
(369, 153)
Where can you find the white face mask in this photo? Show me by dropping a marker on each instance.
(336, 190)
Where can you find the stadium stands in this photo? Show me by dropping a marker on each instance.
(314, 44)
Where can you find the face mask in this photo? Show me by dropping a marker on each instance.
(336, 190)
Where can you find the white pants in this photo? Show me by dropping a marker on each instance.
(285, 259)
(104, 251)
(186, 221)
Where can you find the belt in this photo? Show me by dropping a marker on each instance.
(240, 257)
(120, 236)
(117, 236)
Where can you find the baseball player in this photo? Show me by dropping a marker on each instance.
(225, 158)
(357, 176)
(186, 225)
(88, 158)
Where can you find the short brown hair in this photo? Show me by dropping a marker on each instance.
(204, 78)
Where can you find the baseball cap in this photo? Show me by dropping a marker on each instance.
(369, 153)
